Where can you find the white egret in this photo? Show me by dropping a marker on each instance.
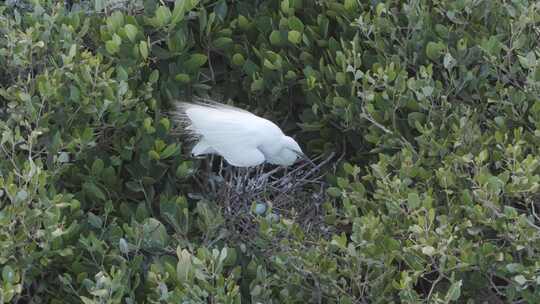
(242, 138)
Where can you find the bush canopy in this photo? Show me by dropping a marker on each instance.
(430, 108)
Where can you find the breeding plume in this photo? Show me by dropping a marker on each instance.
(240, 137)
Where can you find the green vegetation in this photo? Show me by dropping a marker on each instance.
(434, 107)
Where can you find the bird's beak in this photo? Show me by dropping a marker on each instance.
(301, 155)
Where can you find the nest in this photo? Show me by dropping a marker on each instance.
(295, 193)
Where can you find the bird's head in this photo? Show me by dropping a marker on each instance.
(290, 151)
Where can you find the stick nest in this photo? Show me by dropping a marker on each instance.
(295, 193)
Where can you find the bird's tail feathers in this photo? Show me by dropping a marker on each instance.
(183, 121)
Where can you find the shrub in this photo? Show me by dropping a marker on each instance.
(433, 107)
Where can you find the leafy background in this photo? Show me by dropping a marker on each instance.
(435, 106)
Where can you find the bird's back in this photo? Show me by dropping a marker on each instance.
(227, 125)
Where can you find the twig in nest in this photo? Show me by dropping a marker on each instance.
(290, 193)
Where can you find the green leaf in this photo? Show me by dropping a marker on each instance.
(94, 220)
(143, 48)
(434, 50)
(339, 101)
(380, 8)
(238, 59)
(86, 300)
(117, 39)
(63, 157)
(243, 23)
(223, 255)
(154, 155)
(115, 21)
(462, 44)
(528, 61)
(454, 292)
(351, 5)
(492, 46)
(428, 250)
(178, 11)
(123, 245)
(514, 267)
(250, 68)
(172, 211)
(341, 78)
(154, 234)
(414, 118)
(294, 37)
(291, 75)
(21, 196)
(195, 61)
(256, 290)
(131, 31)
(121, 73)
(183, 268)
(296, 24)
(520, 279)
(191, 4)
(257, 85)
(183, 78)
(275, 38)
(97, 167)
(220, 9)
(483, 156)
(285, 7)
(135, 186)
(449, 62)
(334, 192)
(99, 5)
(93, 190)
(413, 200)
(163, 15)
(72, 50)
(112, 47)
(184, 169)
(154, 76)
(8, 275)
(169, 151)
(223, 42)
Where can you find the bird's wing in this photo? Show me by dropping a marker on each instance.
(226, 129)
(242, 157)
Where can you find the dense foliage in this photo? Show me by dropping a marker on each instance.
(433, 105)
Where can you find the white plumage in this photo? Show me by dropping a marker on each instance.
(242, 138)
